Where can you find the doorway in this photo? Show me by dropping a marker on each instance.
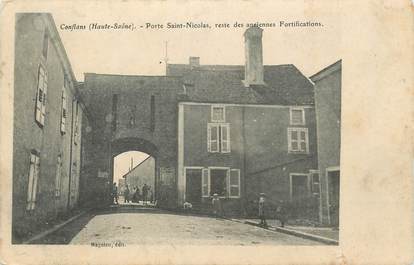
(333, 191)
(193, 185)
(299, 186)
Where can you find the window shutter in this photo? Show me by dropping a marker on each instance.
(64, 110)
(213, 138)
(58, 176)
(205, 183)
(225, 138)
(33, 178)
(234, 183)
(30, 183)
(36, 177)
(41, 96)
(44, 98)
(208, 138)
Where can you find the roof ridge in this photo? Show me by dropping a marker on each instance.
(140, 163)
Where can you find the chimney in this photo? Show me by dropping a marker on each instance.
(194, 62)
(253, 70)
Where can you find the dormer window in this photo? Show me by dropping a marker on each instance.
(297, 116)
(218, 113)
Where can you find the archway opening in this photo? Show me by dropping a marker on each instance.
(134, 175)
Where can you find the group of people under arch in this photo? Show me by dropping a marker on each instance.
(144, 195)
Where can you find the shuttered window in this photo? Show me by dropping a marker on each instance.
(41, 96)
(64, 111)
(205, 183)
(218, 138)
(58, 176)
(76, 134)
(213, 138)
(32, 181)
(234, 183)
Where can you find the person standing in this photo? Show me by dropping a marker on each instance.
(126, 194)
(262, 210)
(114, 193)
(144, 194)
(217, 209)
(281, 213)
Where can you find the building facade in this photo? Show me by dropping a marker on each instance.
(143, 173)
(328, 116)
(244, 131)
(234, 130)
(48, 117)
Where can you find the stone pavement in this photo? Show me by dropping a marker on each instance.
(322, 234)
(150, 226)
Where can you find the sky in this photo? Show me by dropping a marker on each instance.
(141, 52)
(122, 162)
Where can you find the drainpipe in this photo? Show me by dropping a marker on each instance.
(70, 157)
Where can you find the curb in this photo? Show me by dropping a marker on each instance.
(304, 235)
(54, 228)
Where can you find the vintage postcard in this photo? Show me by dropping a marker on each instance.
(207, 132)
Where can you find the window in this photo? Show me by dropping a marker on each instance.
(298, 140)
(76, 125)
(234, 183)
(205, 183)
(218, 181)
(33, 179)
(64, 112)
(41, 96)
(218, 135)
(58, 176)
(218, 114)
(223, 181)
(315, 183)
(45, 44)
(297, 116)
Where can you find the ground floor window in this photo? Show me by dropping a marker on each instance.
(204, 182)
(33, 179)
(58, 176)
(218, 181)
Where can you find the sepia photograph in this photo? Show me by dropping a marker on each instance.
(206, 132)
(200, 154)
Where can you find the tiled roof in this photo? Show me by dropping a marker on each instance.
(284, 85)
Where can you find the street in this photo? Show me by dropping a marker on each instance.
(131, 225)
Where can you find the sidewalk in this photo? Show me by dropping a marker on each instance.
(325, 235)
(55, 225)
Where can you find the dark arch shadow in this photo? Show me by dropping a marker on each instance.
(133, 144)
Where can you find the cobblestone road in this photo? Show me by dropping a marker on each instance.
(131, 225)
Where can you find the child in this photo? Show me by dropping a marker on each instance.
(262, 212)
(216, 205)
(281, 213)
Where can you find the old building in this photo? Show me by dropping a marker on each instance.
(48, 118)
(234, 130)
(143, 173)
(244, 130)
(328, 116)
